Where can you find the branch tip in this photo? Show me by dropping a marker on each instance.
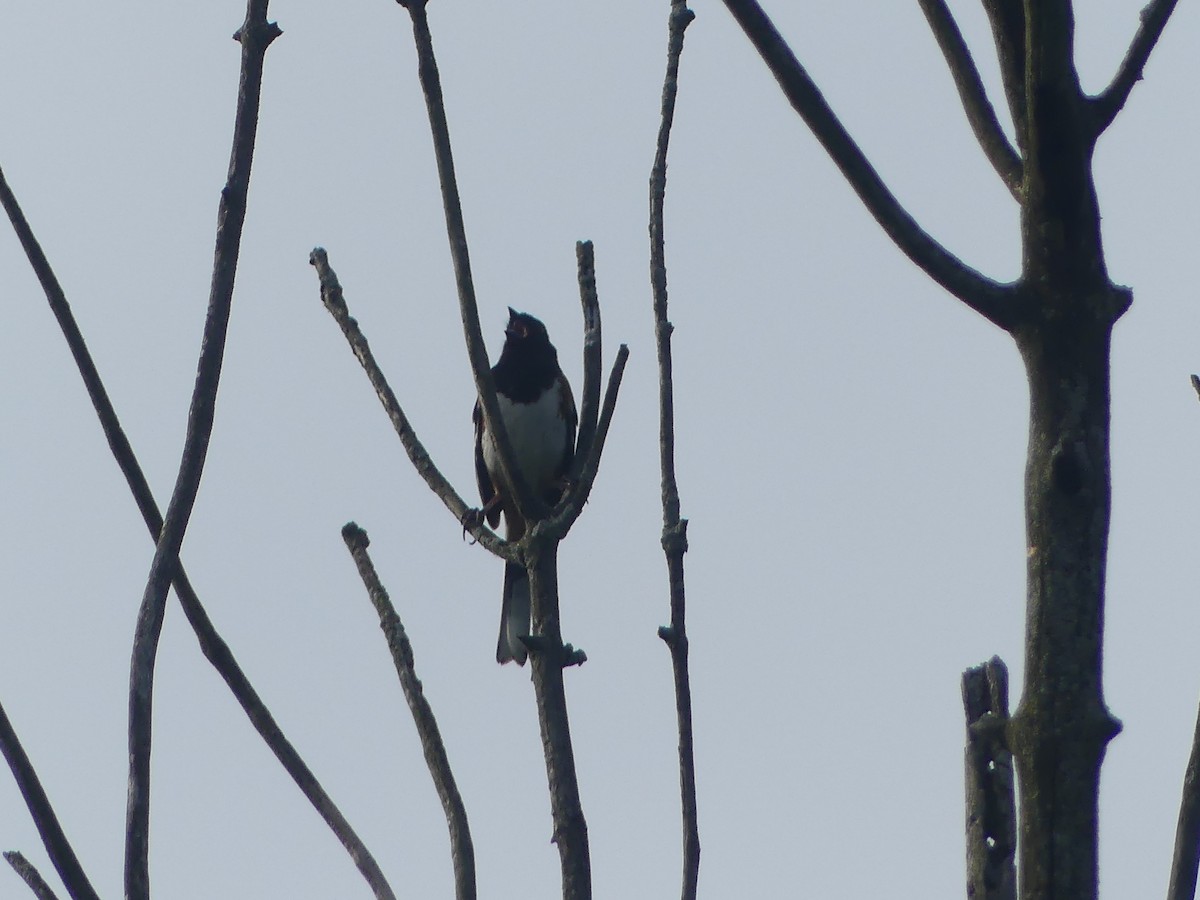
(355, 537)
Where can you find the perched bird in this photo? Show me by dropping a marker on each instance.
(539, 415)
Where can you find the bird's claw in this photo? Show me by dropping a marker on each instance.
(471, 519)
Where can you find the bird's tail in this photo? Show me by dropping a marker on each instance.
(514, 615)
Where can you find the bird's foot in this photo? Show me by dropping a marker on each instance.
(471, 520)
(568, 655)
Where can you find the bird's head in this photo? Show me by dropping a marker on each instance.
(524, 329)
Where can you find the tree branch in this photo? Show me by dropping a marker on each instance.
(53, 838)
(1007, 18)
(255, 35)
(462, 852)
(1111, 100)
(592, 356)
(523, 498)
(994, 301)
(1186, 859)
(548, 660)
(560, 520)
(541, 540)
(332, 297)
(980, 112)
(991, 807)
(674, 534)
(212, 645)
(30, 875)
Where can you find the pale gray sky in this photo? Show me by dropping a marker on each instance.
(851, 443)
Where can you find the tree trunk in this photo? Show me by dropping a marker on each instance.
(1061, 728)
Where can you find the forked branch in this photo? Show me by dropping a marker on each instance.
(212, 645)
(996, 302)
(255, 35)
(541, 541)
(980, 113)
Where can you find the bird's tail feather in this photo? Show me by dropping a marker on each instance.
(514, 615)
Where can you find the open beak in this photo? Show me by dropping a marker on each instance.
(514, 328)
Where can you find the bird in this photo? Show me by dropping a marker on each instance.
(538, 410)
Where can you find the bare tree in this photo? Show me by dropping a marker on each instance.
(1060, 313)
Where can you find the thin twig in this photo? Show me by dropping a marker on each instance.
(571, 507)
(980, 112)
(212, 645)
(30, 875)
(462, 851)
(1186, 859)
(999, 303)
(335, 302)
(589, 300)
(53, 838)
(522, 496)
(674, 534)
(991, 807)
(1110, 101)
(255, 35)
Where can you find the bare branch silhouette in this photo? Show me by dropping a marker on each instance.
(461, 849)
(1007, 18)
(991, 807)
(674, 534)
(1186, 859)
(1060, 314)
(30, 875)
(538, 547)
(593, 355)
(53, 838)
(335, 303)
(999, 303)
(212, 645)
(427, 70)
(559, 522)
(255, 35)
(1111, 100)
(980, 112)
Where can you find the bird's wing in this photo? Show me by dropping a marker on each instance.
(483, 478)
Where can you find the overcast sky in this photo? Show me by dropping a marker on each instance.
(851, 443)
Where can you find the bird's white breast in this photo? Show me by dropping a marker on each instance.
(538, 434)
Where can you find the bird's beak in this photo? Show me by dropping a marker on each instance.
(513, 329)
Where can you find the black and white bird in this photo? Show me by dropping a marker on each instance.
(539, 415)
